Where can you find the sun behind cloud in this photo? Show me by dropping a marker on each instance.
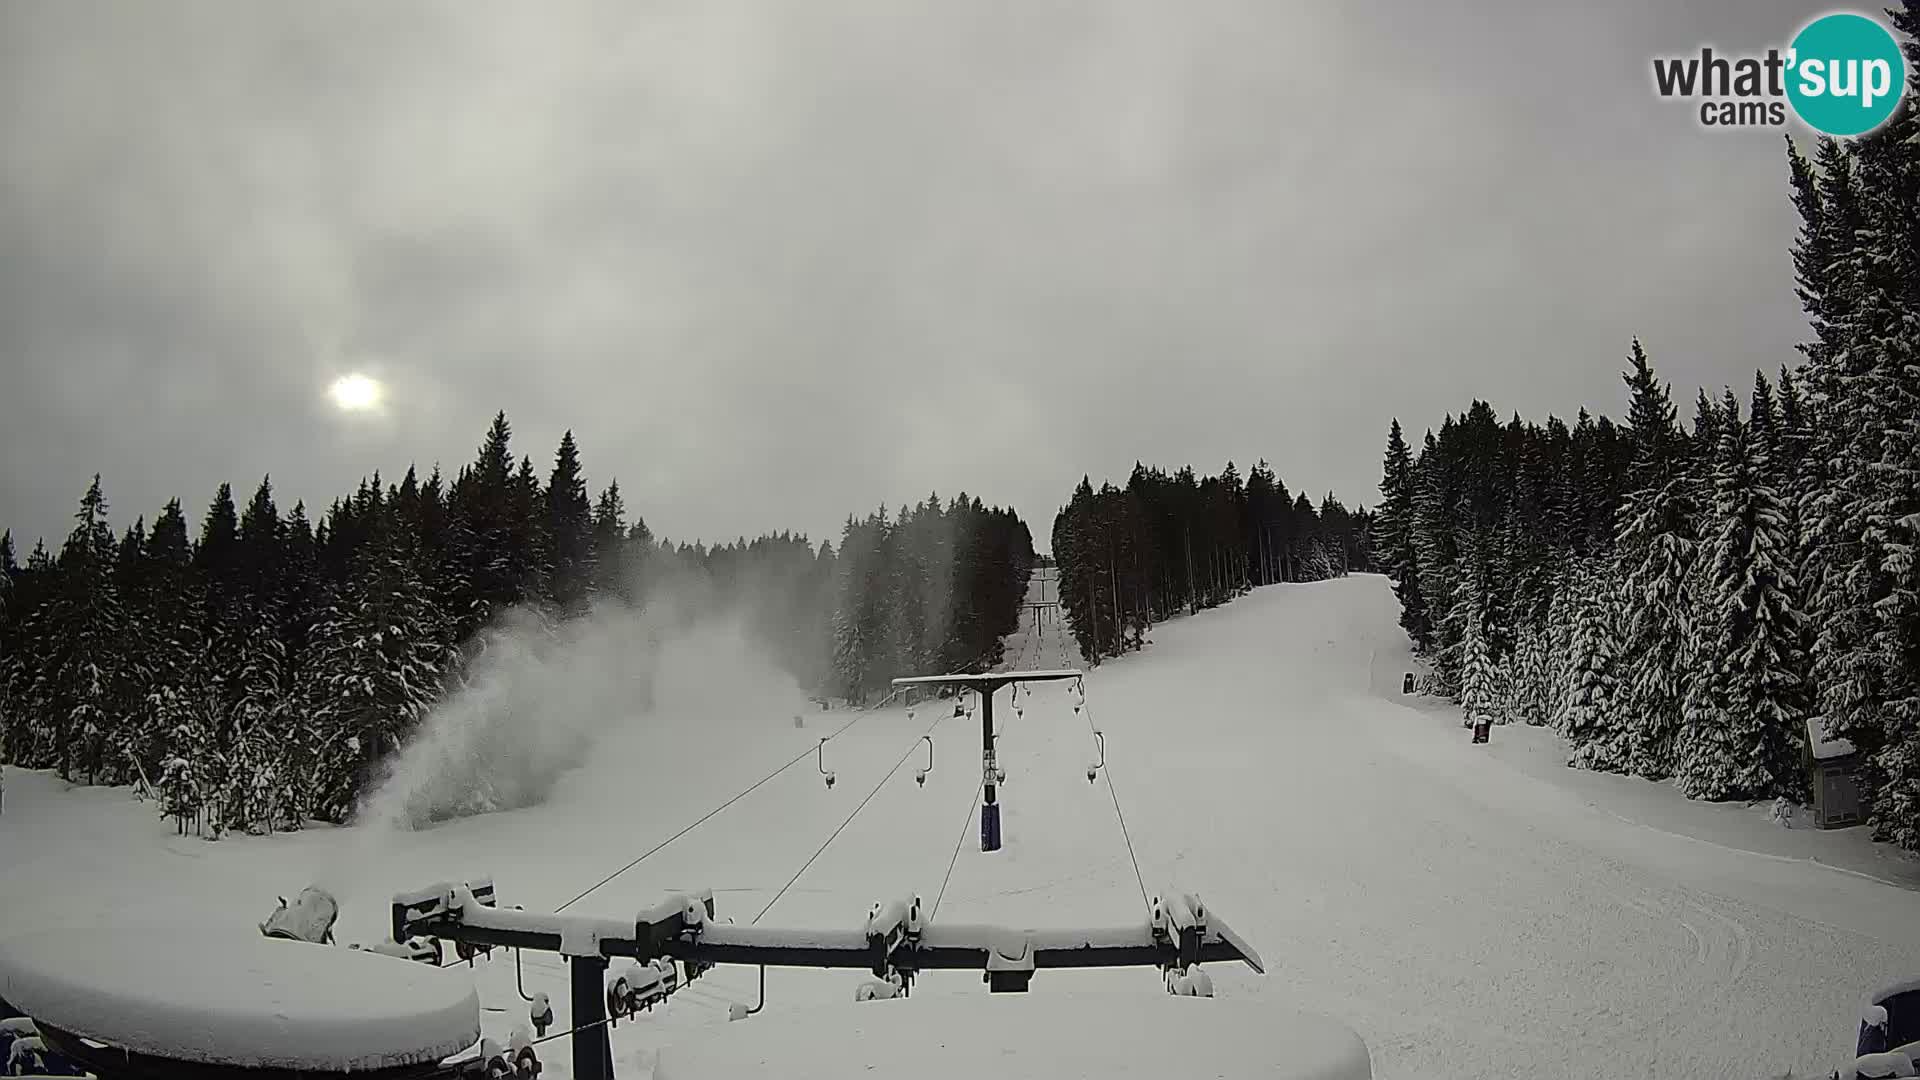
(355, 392)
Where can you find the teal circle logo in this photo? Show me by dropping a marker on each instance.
(1845, 74)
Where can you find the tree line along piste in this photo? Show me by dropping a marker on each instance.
(257, 676)
(1173, 543)
(1714, 604)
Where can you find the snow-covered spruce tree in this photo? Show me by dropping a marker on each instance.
(221, 570)
(135, 651)
(1656, 548)
(1794, 434)
(1344, 535)
(1885, 330)
(1745, 713)
(9, 569)
(191, 761)
(378, 650)
(179, 799)
(1593, 721)
(852, 646)
(171, 621)
(262, 796)
(570, 529)
(1529, 678)
(1660, 540)
(1858, 258)
(256, 684)
(1503, 686)
(1071, 540)
(182, 746)
(26, 665)
(1318, 565)
(1513, 683)
(10, 618)
(1702, 713)
(1306, 534)
(1436, 544)
(1764, 426)
(531, 544)
(1890, 328)
(905, 587)
(611, 578)
(1393, 538)
(1479, 679)
(1557, 645)
(85, 630)
(935, 547)
(495, 530)
(1832, 470)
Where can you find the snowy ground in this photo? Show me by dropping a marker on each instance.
(1472, 911)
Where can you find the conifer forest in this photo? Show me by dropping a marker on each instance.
(1703, 599)
(255, 671)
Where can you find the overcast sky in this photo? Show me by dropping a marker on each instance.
(776, 262)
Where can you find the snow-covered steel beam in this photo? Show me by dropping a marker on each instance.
(948, 948)
(995, 679)
(682, 928)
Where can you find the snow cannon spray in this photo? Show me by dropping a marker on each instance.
(309, 918)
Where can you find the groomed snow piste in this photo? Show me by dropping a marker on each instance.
(1036, 1037)
(1471, 911)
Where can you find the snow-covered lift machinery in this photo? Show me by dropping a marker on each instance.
(309, 918)
(991, 775)
(896, 943)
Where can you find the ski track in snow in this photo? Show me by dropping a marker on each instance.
(1471, 917)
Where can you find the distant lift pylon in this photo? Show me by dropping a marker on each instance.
(986, 685)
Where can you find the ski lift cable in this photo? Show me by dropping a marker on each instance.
(704, 818)
(1107, 770)
(911, 747)
(864, 713)
(966, 830)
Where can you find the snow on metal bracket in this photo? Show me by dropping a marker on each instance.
(894, 938)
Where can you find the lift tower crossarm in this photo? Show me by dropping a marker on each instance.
(1178, 933)
(993, 679)
(683, 929)
(986, 684)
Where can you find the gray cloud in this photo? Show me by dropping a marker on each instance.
(775, 262)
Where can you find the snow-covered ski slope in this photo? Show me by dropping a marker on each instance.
(1472, 911)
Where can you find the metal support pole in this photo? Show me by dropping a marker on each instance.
(990, 803)
(592, 1054)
